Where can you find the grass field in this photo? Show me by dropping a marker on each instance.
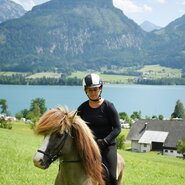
(113, 79)
(157, 71)
(17, 147)
(45, 74)
(11, 73)
(149, 72)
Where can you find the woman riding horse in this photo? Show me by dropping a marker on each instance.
(69, 139)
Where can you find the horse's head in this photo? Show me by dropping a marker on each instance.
(56, 127)
(54, 146)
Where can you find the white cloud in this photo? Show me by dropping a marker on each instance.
(183, 2)
(127, 6)
(27, 4)
(161, 1)
(147, 8)
(182, 11)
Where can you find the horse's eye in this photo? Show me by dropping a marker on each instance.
(59, 134)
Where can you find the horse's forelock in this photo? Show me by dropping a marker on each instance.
(52, 120)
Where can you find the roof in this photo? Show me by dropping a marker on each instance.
(153, 136)
(175, 129)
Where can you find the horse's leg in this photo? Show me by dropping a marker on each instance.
(120, 168)
(120, 178)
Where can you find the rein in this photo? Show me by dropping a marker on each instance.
(53, 157)
(70, 161)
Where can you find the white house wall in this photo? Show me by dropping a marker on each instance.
(145, 147)
(172, 153)
(136, 147)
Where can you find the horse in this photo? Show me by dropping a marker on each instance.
(68, 139)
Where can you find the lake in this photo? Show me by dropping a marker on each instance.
(150, 100)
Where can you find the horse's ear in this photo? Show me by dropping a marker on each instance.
(72, 119)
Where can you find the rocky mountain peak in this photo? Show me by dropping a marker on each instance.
(10, 10)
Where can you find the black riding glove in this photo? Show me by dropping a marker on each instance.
(102, 143)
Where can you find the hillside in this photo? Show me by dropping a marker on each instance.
(10, 10)
(148, 26)
(68, 35)
(167, 45)
(20, 144)
(61, 35)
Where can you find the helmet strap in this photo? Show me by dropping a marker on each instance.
(95, 99)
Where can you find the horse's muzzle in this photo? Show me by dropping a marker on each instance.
(41, 163)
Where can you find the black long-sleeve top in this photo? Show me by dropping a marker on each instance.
(103, 121)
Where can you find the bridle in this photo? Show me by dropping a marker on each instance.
(57, 154)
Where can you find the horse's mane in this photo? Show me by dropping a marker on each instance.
(63, 120)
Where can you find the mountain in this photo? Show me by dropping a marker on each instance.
(68, 34)
(167, 45)
(10, 10)
(148, 26)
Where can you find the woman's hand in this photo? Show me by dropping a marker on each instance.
(102, 143)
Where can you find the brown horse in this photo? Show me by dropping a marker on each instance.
(69, 139)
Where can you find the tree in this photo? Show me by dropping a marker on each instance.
(38, 106)
(179, 111)
(136, 115)
(154, 117)
(4, 106)
(24, 112)
(36, 110)
(19, 115)
(30, 115)
(124, 116)
(160, 117)
(181, 147)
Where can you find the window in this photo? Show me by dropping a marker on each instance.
(145, 145)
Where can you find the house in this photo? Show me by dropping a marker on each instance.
(157, 135)
(123, 124)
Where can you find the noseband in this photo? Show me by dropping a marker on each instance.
(54, 156)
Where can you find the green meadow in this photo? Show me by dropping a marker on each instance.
(17, 147)
(152, 72)
(108, 78)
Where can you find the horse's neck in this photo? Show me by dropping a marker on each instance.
(70, 151)
(71, 174)
(70, 171)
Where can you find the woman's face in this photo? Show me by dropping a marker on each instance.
(93, 93)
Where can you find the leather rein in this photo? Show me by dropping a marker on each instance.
(53, 157)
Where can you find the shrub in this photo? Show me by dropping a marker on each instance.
(181, 147)
(5, 124)
(120, 141)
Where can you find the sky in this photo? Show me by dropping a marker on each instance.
(158, 12)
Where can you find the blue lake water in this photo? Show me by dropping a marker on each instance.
(150, 100)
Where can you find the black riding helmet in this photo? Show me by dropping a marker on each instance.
(92, 80)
